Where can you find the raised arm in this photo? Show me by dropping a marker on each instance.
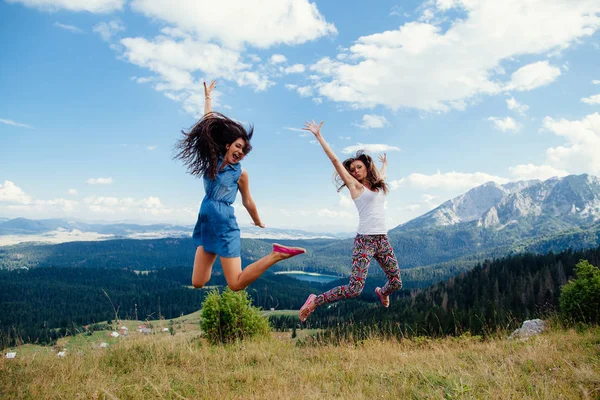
(351, 182)
(207, 92)
(383, 160)
(247, 201)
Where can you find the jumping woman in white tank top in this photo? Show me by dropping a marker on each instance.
(368, 189)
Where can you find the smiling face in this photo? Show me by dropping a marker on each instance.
(235, 151)
(358, 170)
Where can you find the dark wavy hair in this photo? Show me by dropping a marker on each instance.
(373, 176)
(206, 141)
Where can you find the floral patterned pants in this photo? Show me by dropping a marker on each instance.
(367, 247)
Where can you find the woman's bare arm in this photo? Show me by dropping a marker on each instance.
(207, 92)
(349, 180)
(247, 201)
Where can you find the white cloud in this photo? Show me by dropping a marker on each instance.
(293, 129)
(327, 213)
(69, 28)
(423, 66)
(596, 82)
(505, 124)
(200, 42)
(530, 171)
(345, 201)
(278, 59)
(595, 99)
(177, 60)
(73, 192)
(93, 6)
(532, 76)
(13, 123)
(515, 106)
(99, 181)
(304, 91)
(317, 100)
(370, 121)
(580, 152)
(295, 69)
(233, 22)
(371, 148)
(107, 30)
(11, 193)
(450, 180)
(113, 205)
(151, 148)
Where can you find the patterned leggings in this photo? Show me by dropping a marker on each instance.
(365, 248)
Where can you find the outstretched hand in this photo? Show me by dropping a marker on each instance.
(313, 127)
(260, 225)
(208, 90)
(383, 158)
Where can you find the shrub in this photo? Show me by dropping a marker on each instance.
(580, 298)
(230, 316)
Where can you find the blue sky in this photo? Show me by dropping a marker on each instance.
(457, 92)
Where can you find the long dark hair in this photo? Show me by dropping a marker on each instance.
(373, 176)
(206, 141)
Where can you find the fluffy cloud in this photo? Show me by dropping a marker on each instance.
(372, 121)
(532, 76)
(107, 30)
(11, 193)
(530, 171)
(515, 106)
(371, 148)
(579, 154)
(294, 69)
(450, 180)
(425, 66)
(94, 6)
(505, 124)
(595, 99)
(278, 59)
(233, 22)
(99, 181)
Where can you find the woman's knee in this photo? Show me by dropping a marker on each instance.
(356, 289)
(198, 283)
(235, 286)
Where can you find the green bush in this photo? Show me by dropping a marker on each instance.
(230, 316)
(580, 298)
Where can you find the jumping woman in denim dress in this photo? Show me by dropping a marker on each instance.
(368, 189)
(213, 149)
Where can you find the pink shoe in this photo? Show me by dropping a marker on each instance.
(291, 251)
(311, 298)
(382, 298)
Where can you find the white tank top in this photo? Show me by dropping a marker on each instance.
(371, 213)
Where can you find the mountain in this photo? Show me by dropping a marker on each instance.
(21, 230)
(538, 206)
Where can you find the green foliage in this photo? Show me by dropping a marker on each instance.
(580, 298)
(230, 316)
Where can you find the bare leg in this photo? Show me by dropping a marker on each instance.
(238, 279)
(203, 263)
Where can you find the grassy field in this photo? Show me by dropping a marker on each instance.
(560, 364)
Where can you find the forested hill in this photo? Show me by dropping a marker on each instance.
(495, 294)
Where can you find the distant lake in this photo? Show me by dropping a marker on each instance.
(309, 276)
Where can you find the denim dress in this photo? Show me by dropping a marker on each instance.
(217, 229)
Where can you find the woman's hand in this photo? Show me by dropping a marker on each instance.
(313, 127)
(208, 90)
(260, 224)
(383, 158)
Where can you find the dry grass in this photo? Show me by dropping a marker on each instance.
(557, 365)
